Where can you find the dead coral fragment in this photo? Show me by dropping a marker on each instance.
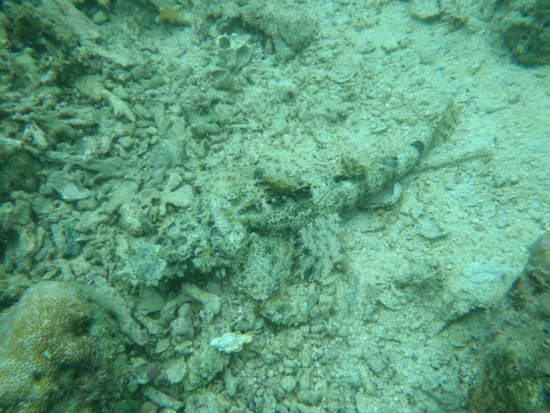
(180, 197)
(67, 186)
(120, 108)
(106, 168)
(231, 342)
(175, 16)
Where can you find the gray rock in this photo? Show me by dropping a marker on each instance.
(67, 186)
(288, 383)
(377, 363)
(297, 31)
(310, 397)
(425, 9)
(231, 342)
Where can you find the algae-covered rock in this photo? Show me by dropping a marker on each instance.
(144, 263)
(511, 382)
(515, 373)
(288, 311)
(19, 172)
(105, 168)
(43, 334)
(297, 30)
(55, 19)
(203, 129)
(538, 265)
(175, 16)
(526, 29)
(67, 186)
(203, 366)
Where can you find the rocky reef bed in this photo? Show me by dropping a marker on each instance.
(254, 206)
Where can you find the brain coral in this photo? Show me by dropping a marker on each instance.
(40, 336)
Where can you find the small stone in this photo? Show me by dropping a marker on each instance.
(231, 342)
(130, 219)
(151, 300)
(126, 142)
(67, 186)
(499, 180)
(343, 331)
(181, 197)
(259, 323)
(305, 382)
(100, 17)
(514, 178)
(182, 326)
(211, 303)
(502, 223)
(425, 9)
(87, 204)
(148, 407)
(162, 345)
(141, 370)
(377, 363)
(325, 304)
(537, 215)
(390, 44)
(310, 397)
(318, 328)
(175, 372)
(288, 383)
(203, 129)
(295, 340)
(160, 398)
(242, 326)
(298, 31)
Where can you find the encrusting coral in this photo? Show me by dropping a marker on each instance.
(41, 338)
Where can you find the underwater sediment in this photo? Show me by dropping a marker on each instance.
(271, 207)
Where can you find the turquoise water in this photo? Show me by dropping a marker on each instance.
(294, 206)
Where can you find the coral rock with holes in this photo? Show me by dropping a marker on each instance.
(42, 339)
